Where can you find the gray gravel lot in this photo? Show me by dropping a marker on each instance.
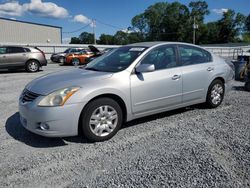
(190, 147)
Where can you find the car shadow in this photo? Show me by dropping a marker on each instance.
(5, 71)
(239, 88)
(18, 132)
(159, 116)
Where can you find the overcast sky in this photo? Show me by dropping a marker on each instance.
(111, 15)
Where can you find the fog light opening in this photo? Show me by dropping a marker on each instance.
(44, 126)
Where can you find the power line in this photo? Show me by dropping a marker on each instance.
(109, 25)
(77, 29)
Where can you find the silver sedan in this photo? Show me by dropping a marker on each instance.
(130, 82)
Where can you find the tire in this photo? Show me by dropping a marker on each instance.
(215, 94)
(61, 60)
(101, 119)
(247, 86)
(32, 66)
(75, 61)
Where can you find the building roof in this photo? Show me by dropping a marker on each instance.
(30, 23)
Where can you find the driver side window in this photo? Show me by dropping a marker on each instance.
(163, 57)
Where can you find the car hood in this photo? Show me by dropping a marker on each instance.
(93, 49)
(75, 77)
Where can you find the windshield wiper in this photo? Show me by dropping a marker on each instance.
(91, 68)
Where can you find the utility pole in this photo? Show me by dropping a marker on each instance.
(93, 25)
(195, 26)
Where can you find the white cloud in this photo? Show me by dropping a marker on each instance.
(82, 19)
(12, 8)
(35, 7)
(45, 9)
(219, 11)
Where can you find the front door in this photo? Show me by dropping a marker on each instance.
(158, 89)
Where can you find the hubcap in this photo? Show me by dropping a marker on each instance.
(75, 62)
(33, 66)
(216, 94)
(103, 120)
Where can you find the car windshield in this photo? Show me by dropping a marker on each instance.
(67, 51)
(116, 60)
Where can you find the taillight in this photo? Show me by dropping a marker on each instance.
(41, 52)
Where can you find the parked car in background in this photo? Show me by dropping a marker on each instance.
(78, 59)
(130, 82)
(84, 56)
(97, 52)
(16, 57)
(60, 57)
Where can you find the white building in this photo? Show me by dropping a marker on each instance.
(14, 31)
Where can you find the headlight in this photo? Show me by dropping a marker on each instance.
(58, 98)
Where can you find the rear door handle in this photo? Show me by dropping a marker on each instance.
(176, 77)
(4, 56)
(210, 69)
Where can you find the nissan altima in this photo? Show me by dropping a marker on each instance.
(130, 82)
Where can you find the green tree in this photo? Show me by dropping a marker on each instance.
(247, 23)
(230, 26)
(75, 40)
(176, 23)
(86, 38)
(135, 37)
(139, 22)
(121, 38)
(199, 9)
(210, 33)
(106, 39)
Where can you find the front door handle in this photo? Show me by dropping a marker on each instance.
(210, 69)
(4, 56)
(176, 77)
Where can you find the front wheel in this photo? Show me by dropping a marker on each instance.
(101, 119)
(215, 94)
(32, 66)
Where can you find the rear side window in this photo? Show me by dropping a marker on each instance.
(27, 50)
(3, 50)
(190, 55)
(74, 50)
(15, 50)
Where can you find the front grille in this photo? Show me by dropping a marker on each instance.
(28, 96)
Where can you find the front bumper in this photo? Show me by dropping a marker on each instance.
(62, 121)
(54, 58)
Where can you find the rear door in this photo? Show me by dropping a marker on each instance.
(197, 71)
(16, 56)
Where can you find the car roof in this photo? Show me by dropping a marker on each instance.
(17, 46)
(155, 43)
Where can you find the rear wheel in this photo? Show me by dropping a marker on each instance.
(75, 61)
(32, 66)
(101, 119)
(215, 94)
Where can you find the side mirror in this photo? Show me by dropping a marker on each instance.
(145, 68)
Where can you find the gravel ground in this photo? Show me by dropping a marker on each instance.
(190, 147)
